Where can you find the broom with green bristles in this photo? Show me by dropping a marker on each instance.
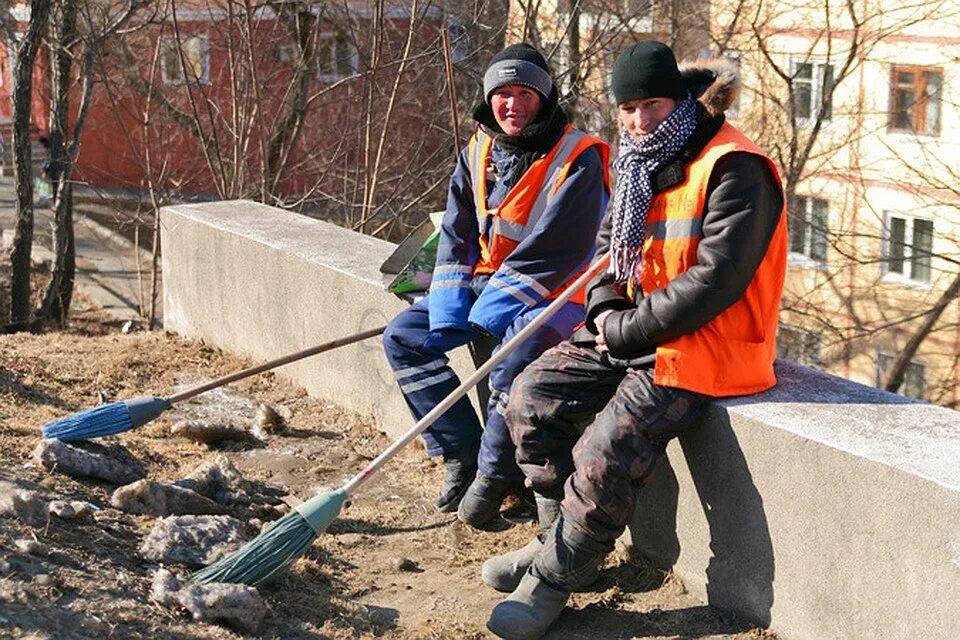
(124, 415)
(289, 537)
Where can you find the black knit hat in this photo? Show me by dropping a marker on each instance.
(648, 69)
(518, 64)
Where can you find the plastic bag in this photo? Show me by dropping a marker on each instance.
(418, 272)
(42, 193)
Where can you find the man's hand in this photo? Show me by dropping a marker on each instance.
(601, 338)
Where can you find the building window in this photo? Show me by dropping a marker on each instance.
(807, 221)
(811, 82)
(460, 46)
(196, 60)
(914, 383)
(556, 52)
(336, 57)
(799, 345)
(907, 247)
(287, 53)
(633, 9)
(915, 100)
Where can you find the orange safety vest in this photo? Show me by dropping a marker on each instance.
(732, 354)
(528, 199)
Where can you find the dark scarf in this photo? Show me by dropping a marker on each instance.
(536, 139)
(637, 162)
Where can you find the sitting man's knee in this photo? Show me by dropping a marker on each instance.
(522, 392)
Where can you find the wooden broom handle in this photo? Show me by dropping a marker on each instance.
(299, 355)
(477, 376)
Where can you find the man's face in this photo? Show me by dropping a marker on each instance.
(514, 107)
(641, 117)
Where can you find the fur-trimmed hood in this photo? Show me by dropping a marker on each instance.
(714, 82)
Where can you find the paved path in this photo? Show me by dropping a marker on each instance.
(106, 261)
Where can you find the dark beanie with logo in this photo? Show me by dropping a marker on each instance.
(648, 69)
(518, 64)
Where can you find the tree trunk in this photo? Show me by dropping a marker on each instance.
(26, 51)
(304, 28)
(574, 56)
(154, 266)
(898, 370)
(55, 304)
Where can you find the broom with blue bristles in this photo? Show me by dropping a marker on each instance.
(117, 417)
(289, 537)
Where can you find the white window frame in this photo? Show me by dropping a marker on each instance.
(816, 88)
(917, 365)
(354, 58)
(906, 276)
(172, 42)
(805, 258)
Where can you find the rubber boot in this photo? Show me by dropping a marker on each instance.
(505, 571)
(481, 503)
(529, 611)
(568, 560)
(548, 509)
(459, 471)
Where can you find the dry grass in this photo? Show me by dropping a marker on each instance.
(389, 567)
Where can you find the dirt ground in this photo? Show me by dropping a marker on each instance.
(390, 566)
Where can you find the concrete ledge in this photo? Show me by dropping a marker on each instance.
(265, 282)
(822, 508)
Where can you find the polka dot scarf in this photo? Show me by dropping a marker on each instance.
(638, 161)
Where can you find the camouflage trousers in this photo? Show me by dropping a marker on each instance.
(596, 426)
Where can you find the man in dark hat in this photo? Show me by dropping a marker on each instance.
(697, 237)
(525, 202)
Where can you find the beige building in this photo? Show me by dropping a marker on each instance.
(856, 109)
(854, 104)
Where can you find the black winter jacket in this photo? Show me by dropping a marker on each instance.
(743, 207)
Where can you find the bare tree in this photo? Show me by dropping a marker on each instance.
(26, 47)
(934, 180)
(581, 39)
(808, 100)
(66, 41)
(318, 108)
(70, 30)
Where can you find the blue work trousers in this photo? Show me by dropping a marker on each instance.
(425, 379)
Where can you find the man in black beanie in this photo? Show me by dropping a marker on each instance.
(525, 202)
(687, 312)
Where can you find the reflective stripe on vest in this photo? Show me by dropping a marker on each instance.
(517, 215)
(732, 354)
(674, 229)
(503, 228)
(516, 224)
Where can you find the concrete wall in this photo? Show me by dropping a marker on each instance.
(265, 282)
(823, 508)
